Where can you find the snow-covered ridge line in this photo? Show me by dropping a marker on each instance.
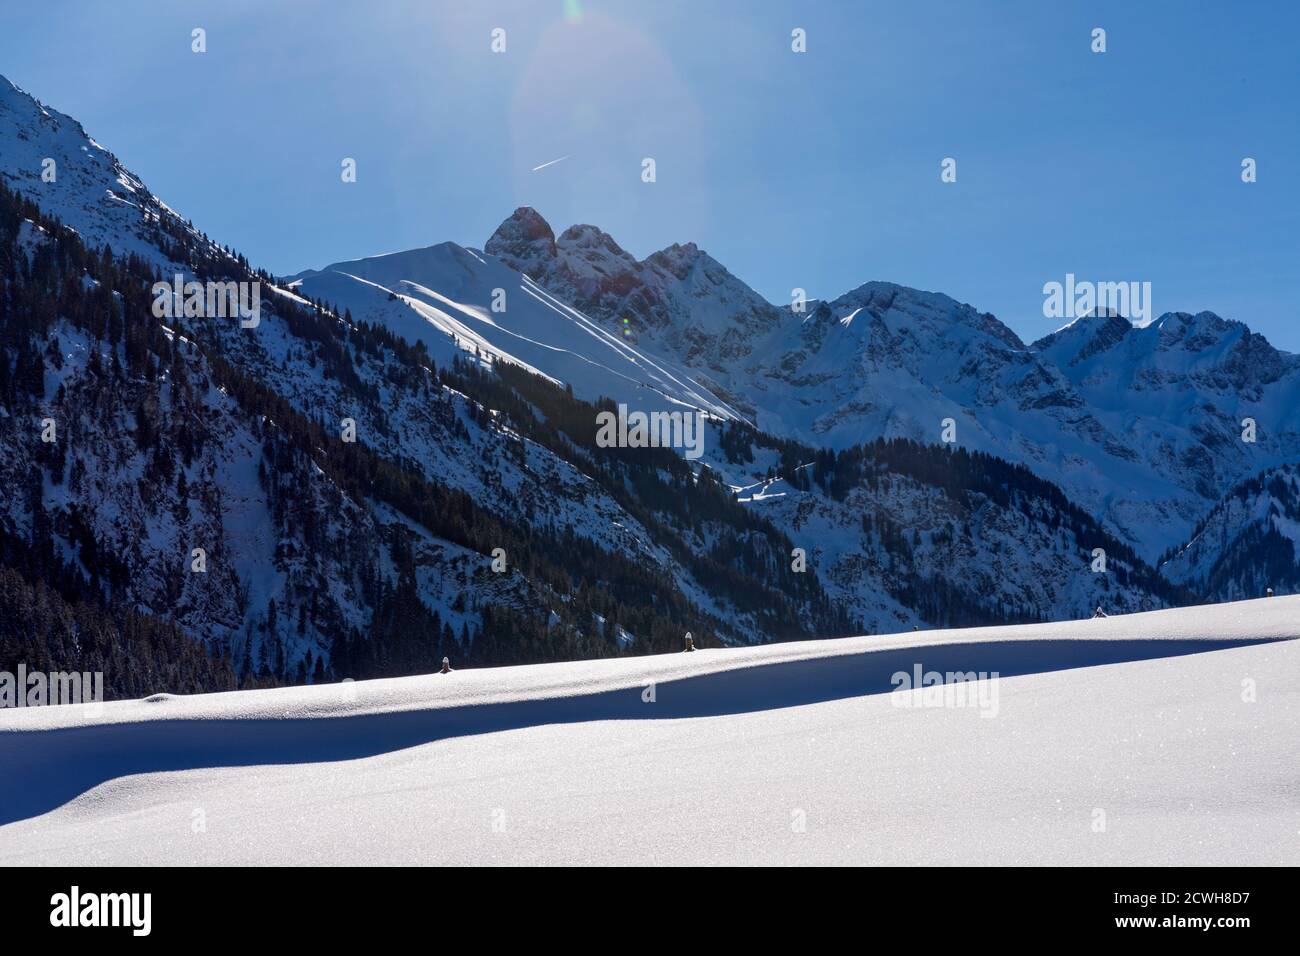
(1009, 650)
(409, 770)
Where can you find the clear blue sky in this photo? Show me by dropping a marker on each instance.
(818, 170)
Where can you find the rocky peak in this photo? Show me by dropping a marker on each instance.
(583, 237)
(1083, 338)
(525, 241)
(679, 259)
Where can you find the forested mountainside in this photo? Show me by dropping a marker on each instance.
(1247, 543)
(905, 533)
(328, 557)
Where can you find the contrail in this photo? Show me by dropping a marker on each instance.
(551, 163)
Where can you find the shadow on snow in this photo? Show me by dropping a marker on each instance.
(42, 770)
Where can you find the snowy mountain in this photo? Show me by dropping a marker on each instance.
(1248, 543)
(48, 157)
(440, 529)
(1201, 403)
(1141, 427)
(680, 300)
(456, 300)
(318, 554)
(908, 534)
(1165, 738)
(585, 266)
(400, 459)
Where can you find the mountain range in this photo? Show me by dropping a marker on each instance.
(400, 461)
(1141, 426)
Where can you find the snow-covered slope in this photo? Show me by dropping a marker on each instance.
(1158, 738)
(49, 157)
(1248, 543)
(905, 533)
(1199, 403)
(458, 300)
(1141, 427)
(889, 361)
(679, 301)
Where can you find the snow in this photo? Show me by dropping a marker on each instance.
(92, 192)
(789, 753)
(443, 295)
(1212, 560)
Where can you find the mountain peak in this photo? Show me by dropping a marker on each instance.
(92, 192)
(679, 251)
(525, 240)
(879, 298)
(585, 234)
(9, 88)
(1084, 337)
(525, 221)
(592, 242)
(1184, 321)
(680, 258)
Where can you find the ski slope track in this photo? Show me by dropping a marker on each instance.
(786, 753)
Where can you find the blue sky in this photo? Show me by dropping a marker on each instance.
(817, 170)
